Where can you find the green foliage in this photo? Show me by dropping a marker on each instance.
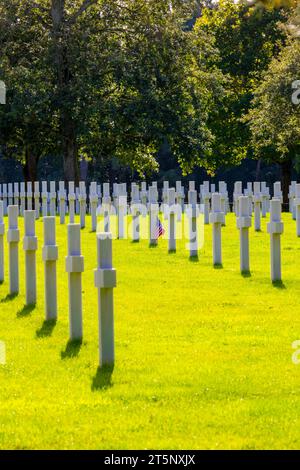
(105, 79)
(247, 38)
(274, 119)
(26, 121)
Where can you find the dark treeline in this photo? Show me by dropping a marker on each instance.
(134, 89)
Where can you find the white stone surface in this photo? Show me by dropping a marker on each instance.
(216, 218)
(29, 195)
(74, 268)
(192, 186)
(105, 281)
(265, 193)
(4, 195)
(238, 191)
(275, 229)
(121, 216)
(30, 244)
(192, 213)
(257, 200)
(37, 199)
(153, 216)
(13, 238)
(2, 232)
(297, 208)
(16, 194)
(82, 203)
(50, 256)
(52, 196)
(172, 222)
(10, 194)
(277, 191)
(93, 204)
(243, 224)
(44, 199)
(71, 200)
(22, 198)
(62, 202)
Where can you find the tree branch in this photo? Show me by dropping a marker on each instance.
(39, 7)
(86, 4)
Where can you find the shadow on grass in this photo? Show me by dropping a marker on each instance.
(135, 241)
(152, 245)
(72, 349)
(194, 259)
(46, 329)
(218, 266)
(8, 298)
(102, 379)
(172, 252)
(25, 311)
(278, 284)
(246, 273)
(1, 282)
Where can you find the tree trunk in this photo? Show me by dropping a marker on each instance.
(286, 168)
(30, 167)
(63, 77)
(71, 170)
(257, 173)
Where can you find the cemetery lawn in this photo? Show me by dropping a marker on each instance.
(203, 355)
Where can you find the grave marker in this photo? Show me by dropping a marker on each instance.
(122, 211)
(50, 257)
(243, 224)
(93, 205)
(277, 191)
(71, 199)
(172, 223)
(297, 208)
(216, 218)
(74, 268)
(52, 198)
(62, 202)
(135, 212)
(4, 193)
(2, 232)
(192, 213)
(265, 194)
(82, 203)
(13, 238)
(257, 199)
(153, 216)
(10, 194)
(16, 194)
(22, 198)
(105, 282)
(30, 246)
(238, 191)
(37, 199)
(275, 229)
(44, 199)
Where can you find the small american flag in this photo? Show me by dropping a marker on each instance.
(160, 231)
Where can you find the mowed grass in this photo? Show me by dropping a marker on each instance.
(203, 355)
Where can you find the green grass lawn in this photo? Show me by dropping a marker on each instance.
(203, 355)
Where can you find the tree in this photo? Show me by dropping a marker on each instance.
(247, 38)
(105, 78)
(26, 119)
(274, 119)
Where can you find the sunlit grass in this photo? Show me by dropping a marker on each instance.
(203, 355)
